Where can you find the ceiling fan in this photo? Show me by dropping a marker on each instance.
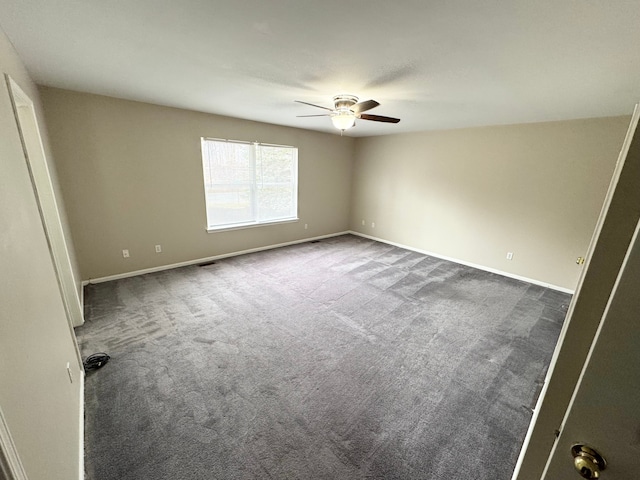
(347, 109)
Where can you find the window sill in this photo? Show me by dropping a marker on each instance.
(250, 225)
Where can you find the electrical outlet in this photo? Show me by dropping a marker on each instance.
(306, 226)
(158, 249)
(509, 255)
(125, 253)
(363, 223)
(373, 224)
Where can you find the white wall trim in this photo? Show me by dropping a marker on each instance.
(468, 264)
(39, 174)
(278, 245)
(81, 429)
(10, 465)
(206, 259)
(244, 226)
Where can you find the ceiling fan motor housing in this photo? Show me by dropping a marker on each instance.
(344, 102)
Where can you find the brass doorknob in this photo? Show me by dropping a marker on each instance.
(586, 466)
(587, 461)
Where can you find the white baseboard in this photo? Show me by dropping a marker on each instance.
(468, 264)
(270, 247)
(206, 259)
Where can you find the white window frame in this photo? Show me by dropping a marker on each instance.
(253, 187)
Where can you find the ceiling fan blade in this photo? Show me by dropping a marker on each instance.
(364, 106)
(321, 115)
(379, 118)
(313, 105)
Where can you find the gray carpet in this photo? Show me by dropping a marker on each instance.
(342, 359)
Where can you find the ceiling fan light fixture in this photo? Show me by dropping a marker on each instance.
(343, 120)
(346, 109)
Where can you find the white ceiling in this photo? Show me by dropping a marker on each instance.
(436, 64)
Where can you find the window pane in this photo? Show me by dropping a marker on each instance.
(275, 164)
(229, 163)
(227, 205)
(274, 202)
(249, 183)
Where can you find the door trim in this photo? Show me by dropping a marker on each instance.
(10, 464)
(538, 455)
(620, 291)
(49, 210)
(44, 188)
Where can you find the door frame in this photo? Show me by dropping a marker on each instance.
(556, 394)
(622, 305)
(48, 209)
(32, 146)
(11, 467)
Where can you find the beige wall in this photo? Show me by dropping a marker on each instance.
(39, 404)
(475, 194)
(131, 176)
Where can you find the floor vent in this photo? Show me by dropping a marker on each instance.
(206, 264)
(314, 241)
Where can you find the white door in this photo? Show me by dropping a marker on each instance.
(604, 259)
(604, 412)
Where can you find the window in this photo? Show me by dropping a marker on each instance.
(249, 184)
